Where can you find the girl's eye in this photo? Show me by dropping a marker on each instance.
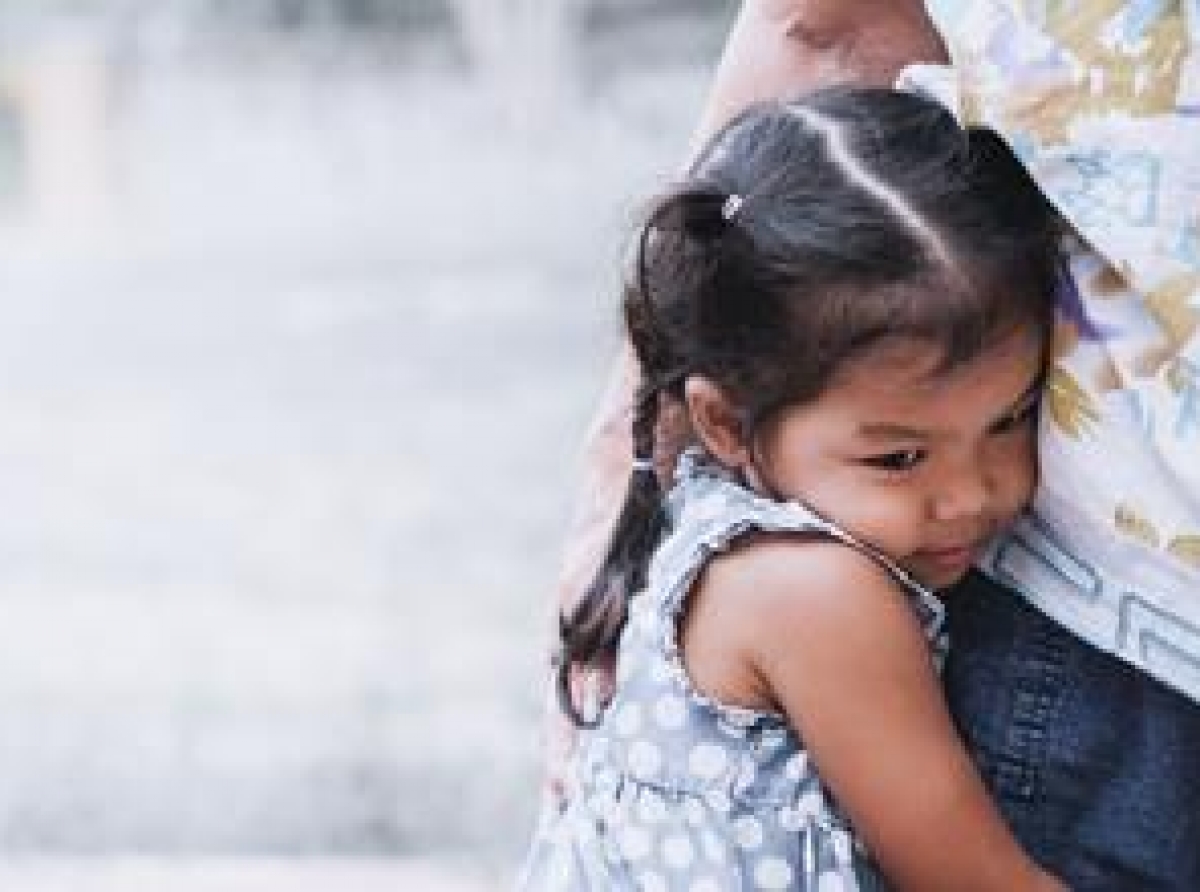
(901, 460)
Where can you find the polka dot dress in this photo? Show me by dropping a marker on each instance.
(676, 791)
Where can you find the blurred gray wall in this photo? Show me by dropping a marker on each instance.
(303, 309)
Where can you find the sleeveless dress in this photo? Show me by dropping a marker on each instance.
(676, 791)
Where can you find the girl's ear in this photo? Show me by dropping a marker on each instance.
(716, 422)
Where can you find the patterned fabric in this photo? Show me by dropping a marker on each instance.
(677, 791)
(1101, 99)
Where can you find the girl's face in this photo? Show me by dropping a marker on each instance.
(925, 466)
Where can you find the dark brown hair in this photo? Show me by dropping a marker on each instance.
(804, 233)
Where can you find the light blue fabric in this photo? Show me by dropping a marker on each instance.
(675, 790)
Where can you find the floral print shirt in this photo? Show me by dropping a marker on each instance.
(1101, 100)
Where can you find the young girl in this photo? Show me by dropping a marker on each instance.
(851, 296)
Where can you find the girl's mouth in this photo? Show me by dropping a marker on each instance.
(948, 559)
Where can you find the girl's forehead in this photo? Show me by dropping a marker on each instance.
(907, 357)
(913, 366)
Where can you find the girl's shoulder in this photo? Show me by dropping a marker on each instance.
(802, 566)
(782, 547)
(800, 589)
(751, 580)
(776, 609)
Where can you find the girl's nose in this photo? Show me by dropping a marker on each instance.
(966, 494)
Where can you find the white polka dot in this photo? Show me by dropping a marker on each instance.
(608, 808)
(612, 851)
(740, 718)
(811, 802)
(644, 758)
(597, 804)
(678, 852)
(708, 761)
(660, 672)
(709, 508)
(651, 808)
(647, 622)
(600, 745)
(628, 720)
(831, 882)
(649, 881)
(730, 729)
(625, 669)
(792, 820)
(719, 801)
(693, 812)
(704, 884)
(797, 767)
(772, 874)
(842, 849)
(748, 832)
(773, 740)
(560, 869)
(713, 846)
(635, 843)
(670, 712)
(747, 773)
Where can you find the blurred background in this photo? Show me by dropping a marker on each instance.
(304, 306)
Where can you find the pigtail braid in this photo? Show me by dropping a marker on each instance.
(589, 634)
(675, 255)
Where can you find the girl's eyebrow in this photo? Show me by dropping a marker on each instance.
(888, 430)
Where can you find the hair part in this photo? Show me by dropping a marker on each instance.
(869, 182)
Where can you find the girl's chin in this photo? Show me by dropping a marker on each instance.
(943, 573)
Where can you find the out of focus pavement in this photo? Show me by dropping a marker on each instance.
(142, 874)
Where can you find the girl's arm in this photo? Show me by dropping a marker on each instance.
(828, 637)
